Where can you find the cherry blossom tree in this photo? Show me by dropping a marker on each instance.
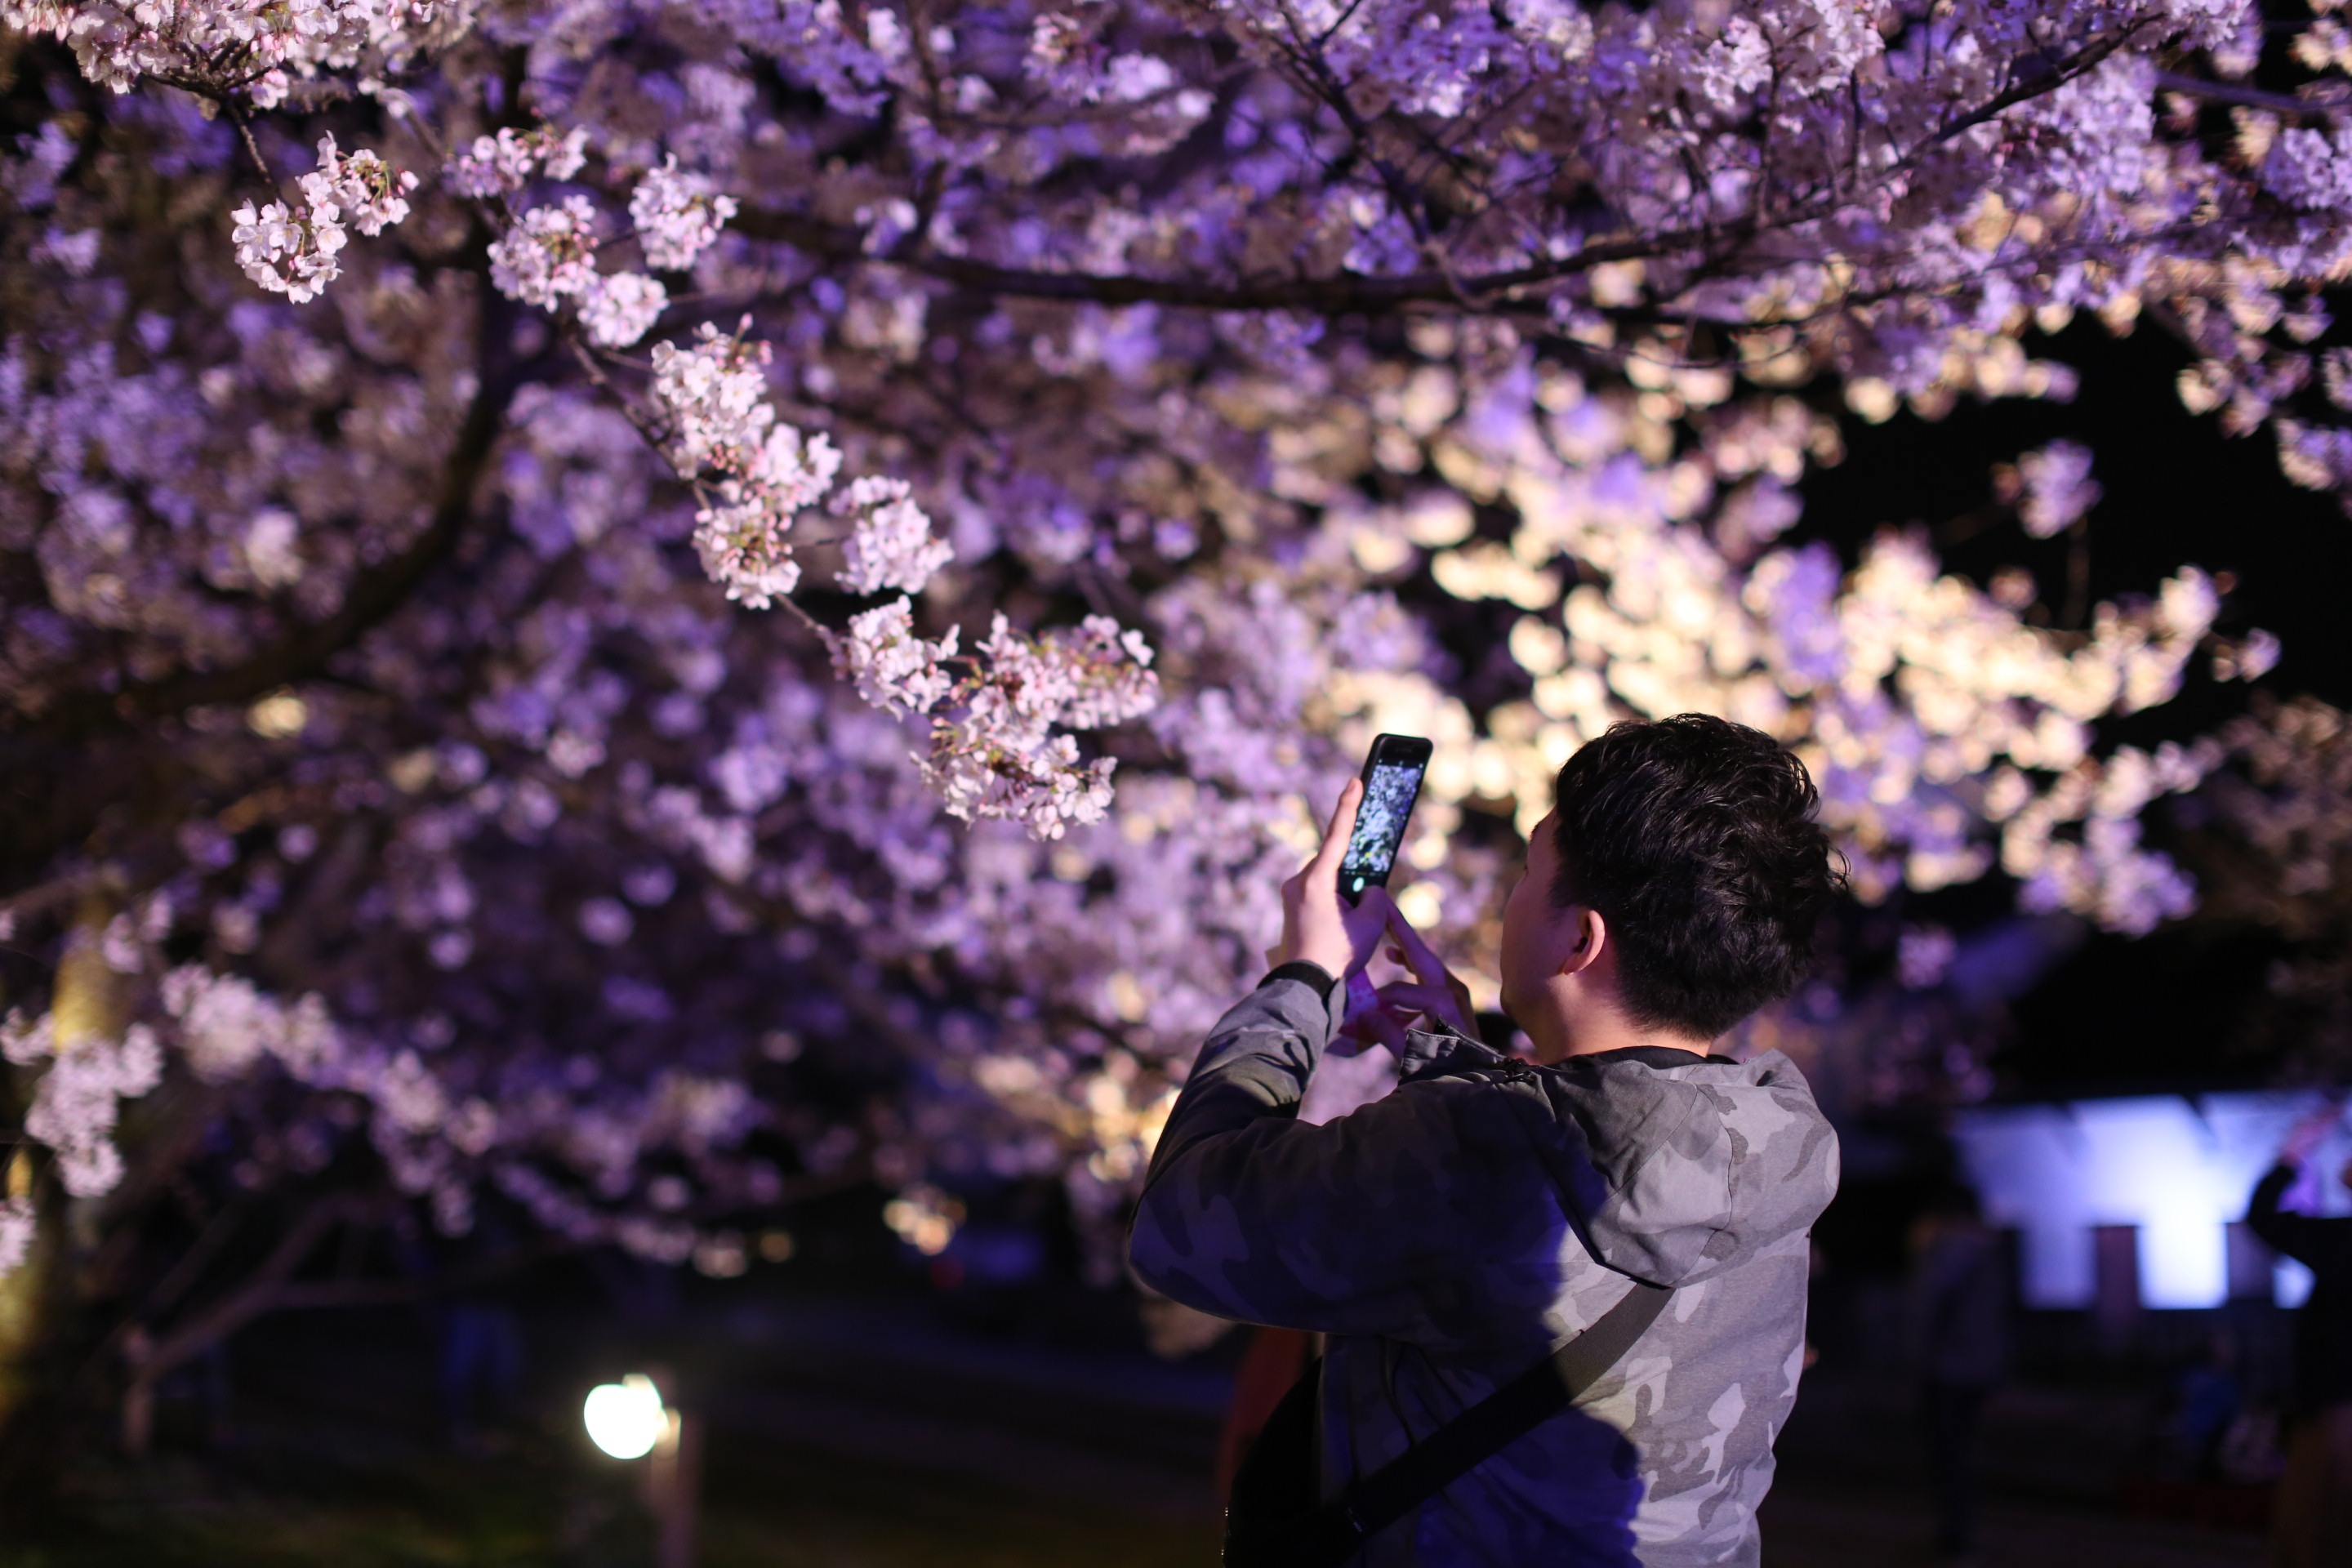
(651, 608)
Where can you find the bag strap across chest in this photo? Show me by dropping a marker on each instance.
(1261, 1534)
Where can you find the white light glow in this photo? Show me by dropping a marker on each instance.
(2292, 1283)
(625, 1418)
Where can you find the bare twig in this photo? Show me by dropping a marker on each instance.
(2338, 99)
(243, 120)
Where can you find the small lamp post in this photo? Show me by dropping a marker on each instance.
(628, 1420)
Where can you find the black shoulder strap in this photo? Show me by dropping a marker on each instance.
(1331, 1534)
(1511, 1412)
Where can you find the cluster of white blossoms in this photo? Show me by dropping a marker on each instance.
(892, 667)
(1004, 757)
(366, 192)
(998, 747)
(294, 250)
(1046, 788)
(617, 309)
(676, 215)
(741, 538)
(229, 1025)
(253, 46)
(288, 251)
(500, 165)
(1089, 679)
(2101, 871)
(548, 255)
(2313, 169)
(1947, 735)
(890, 543)
(715, 396)
(19, 1223)
(759, 472)
(77, 1101)
(2051, 487)
(436, 1138)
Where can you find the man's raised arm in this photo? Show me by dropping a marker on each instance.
(1376, 1223)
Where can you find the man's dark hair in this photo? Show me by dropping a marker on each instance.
(1694, 839)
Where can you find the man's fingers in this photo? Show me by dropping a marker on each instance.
(1414, 997)
(1418, 956)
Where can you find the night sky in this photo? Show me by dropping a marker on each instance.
(2165, 1012)
(2177, 491)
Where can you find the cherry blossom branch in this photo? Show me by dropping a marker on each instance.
(1368, 295)
(2039, 85)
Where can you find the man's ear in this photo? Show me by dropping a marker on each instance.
(1583, 935)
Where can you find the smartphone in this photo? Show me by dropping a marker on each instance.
(1393, 774)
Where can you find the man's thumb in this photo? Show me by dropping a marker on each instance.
(1342, 827)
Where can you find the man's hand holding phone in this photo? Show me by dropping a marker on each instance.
(1339, 927)
(1317, 926)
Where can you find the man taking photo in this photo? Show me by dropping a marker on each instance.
(1565, 1302)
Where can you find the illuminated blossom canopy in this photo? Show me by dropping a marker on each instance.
(588, 583)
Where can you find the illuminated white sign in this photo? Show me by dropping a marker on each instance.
(2179, 1170)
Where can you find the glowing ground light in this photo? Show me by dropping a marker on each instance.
(625, 1418)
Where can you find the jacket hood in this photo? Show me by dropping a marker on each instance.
(1672, 1167)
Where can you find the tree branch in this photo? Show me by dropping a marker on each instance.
(1342, 295)
(254, 1297)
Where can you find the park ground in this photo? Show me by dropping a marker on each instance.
(848, 1431)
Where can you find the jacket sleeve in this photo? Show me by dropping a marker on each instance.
(2292, 1234)
(1414, 1216)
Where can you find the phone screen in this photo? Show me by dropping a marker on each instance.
(1391, 783)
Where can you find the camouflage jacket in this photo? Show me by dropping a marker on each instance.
(1445, 1236)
